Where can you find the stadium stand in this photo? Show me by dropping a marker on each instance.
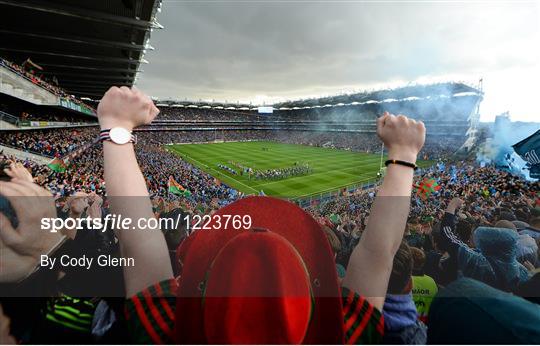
(446, 109)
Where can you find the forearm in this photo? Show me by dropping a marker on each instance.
(122, 172)
(373, 256)
(388, 216)
(126, 189)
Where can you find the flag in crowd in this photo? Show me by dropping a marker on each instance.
(426, 188)
(57, 165)
(31, 66)
(176, 189)
(334, 218)
(529, 150)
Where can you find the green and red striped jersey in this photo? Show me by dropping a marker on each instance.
(150, 316)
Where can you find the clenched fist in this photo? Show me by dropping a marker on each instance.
(403, 137)
(125, 107)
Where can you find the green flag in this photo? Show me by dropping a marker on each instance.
(334, 218)
(57, 165)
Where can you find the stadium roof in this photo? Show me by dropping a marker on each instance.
(398, 94)
(407, 93)
(203, 104)
(86, 45)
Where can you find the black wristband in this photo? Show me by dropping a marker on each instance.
(402, 163)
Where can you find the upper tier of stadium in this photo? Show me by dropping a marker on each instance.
(446, 108)
(88, 46)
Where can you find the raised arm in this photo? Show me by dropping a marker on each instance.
(451, 242)
(370, 264)
(126, 189)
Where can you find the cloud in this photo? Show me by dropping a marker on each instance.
(233, 50)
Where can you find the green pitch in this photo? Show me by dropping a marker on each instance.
(332, 168)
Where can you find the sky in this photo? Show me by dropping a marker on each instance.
(269, 51)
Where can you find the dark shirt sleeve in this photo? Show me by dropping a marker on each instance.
(150, 316)
(449, 238)
(362, 322)
(450, 266)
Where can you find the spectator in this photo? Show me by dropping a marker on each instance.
(401, 324)
(496, 261)
(424, 287)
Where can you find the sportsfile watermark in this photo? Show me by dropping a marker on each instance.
(94, 248)
(118, 222)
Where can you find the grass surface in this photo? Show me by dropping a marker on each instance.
(332, 168)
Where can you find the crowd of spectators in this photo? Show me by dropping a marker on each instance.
(49, 142)
(84, 172)
(205, 114)
(482, 224)
(24, 116)
(486, 191)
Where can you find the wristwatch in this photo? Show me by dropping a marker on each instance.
(118, 135)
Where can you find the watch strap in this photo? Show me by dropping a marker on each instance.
(104, 135)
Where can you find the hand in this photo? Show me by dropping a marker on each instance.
(403, 137)
(31, 204)
(94, 198)
(94, 211)
(16, 171)
(5, 337)
(77, 203)
(454, 204)
(124, 107)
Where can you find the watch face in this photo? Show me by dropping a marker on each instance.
(120, 135)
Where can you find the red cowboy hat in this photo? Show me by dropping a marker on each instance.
(274, 283)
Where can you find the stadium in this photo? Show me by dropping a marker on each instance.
(322, 155)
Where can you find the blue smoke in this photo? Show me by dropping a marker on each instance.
(504, 134)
